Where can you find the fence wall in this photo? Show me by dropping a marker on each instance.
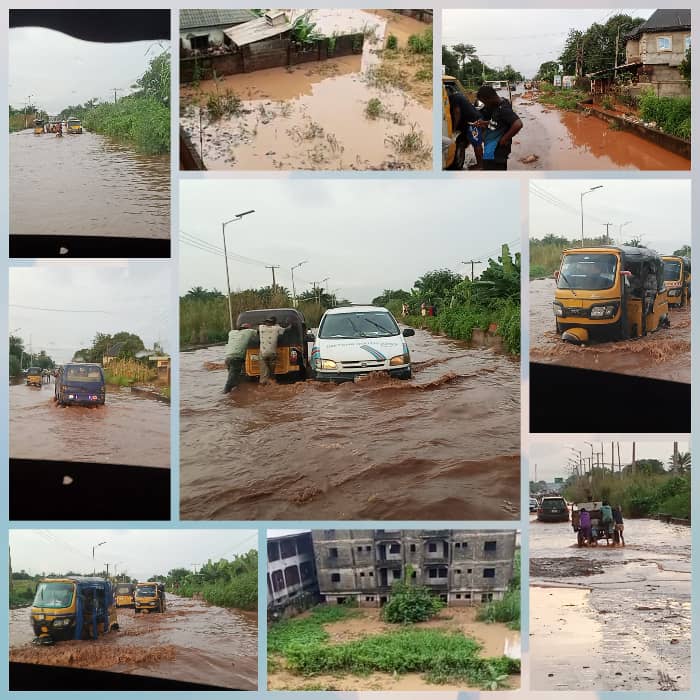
(275, 53)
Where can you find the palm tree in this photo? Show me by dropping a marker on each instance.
(464, 50)
(683, 463)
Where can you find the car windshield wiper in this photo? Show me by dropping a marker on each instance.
(564, 277)
(378, 325)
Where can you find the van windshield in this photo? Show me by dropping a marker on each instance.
(34, 370)
(592, 271)
(672, 270)
(145, 591)
(53, 595)
(124, 590)
(84, 374)
(359, 324)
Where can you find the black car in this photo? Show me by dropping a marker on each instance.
(553, 509)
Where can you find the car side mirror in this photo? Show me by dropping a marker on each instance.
(407, 332)
(556, 275)
(310, 337)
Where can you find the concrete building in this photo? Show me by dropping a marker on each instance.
(291, 571)
(203, 29)
(462, 567)
(655, 49)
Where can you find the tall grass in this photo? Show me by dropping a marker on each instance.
(671, 114)
(563, 99)
(545, 253)
(506, 610)
(126, 371)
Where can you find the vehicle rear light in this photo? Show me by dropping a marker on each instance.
(293, 355)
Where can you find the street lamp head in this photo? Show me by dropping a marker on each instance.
(245, 213)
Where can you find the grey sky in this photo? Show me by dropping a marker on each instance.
(365, 235)
(59, 70)
(552, 455)
(86, 298)
(139, 553)
(523, 38)
(658, 210)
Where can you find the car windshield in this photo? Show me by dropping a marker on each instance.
(74, 122)
(358, 324)
(593, 271)
(672, 270)
(53, 595)
(145, 591)
(84, 374)
(34, 370)
(553, 502)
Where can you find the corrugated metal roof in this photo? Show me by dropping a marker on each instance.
(663, 21)
(259, 29)
(190, 19)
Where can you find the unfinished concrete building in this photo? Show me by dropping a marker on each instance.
(462, 567)
(291, 572)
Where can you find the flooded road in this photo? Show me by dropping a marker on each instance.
(573, 141)
(313, 116)
(610, 618)
(86, 184)
(128, 429)
(664, 354)
(191, 641)
(444, 445)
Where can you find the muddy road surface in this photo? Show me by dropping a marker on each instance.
(190, 641)
(313, 116)
(445, 444)
(564, 140)
(86, 184)
(128, 429)
(610, 618)
(664, 354)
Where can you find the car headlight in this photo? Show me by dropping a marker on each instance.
(399, 360)
(558, 310)
(674, 293)
(326, 364)
(606, 311)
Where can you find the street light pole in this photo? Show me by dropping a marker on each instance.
(99, 544)
(620, 230)
(294, 290)
(597, 187)
(238, 217)
(29, 101)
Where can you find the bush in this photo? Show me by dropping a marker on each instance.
(607, 103)
(421, 43)
(15, 368)
(392, 42)
(671, 114)
(373, 108)
(409, 604)
(305, 630)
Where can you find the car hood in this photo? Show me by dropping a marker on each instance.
(359, 349)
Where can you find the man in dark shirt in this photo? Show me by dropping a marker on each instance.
(463, 114)
(500, 124)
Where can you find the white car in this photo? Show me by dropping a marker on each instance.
(356, 340)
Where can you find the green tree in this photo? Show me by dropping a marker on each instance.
(547, 71)
(463, 51)
(450, 61)
(437, 284)
(645, 466)
(391, 294)
(684, 251)
(684, 67)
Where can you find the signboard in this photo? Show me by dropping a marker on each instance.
(557, 81)
(567, 82)
(558, 479)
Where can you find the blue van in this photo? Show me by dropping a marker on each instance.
(80, 383)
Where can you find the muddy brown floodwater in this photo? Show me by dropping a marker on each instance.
(86, 184)
(610, 618)
(664, 354)
(444, 445)
(191, 641)
(573, 141)
(128, 429)
(312, 116)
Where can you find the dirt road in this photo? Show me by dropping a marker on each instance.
(610, 618)
(192, 641)
(444, 445)
(86, 184)
(128, 429)
(664, 354)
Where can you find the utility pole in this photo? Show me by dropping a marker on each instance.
(675, 456)
(26, 110)
(273, 268)
(619, 461)
(607, 232)
(634, 458)
(107, 565)
(115, 90)
(472, 263)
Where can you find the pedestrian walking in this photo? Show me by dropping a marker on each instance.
(619, 525)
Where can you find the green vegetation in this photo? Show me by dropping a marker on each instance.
(507, 609)
(22, 590)
(392, 42)
(410, 603)
(563, 99)
(671, 114)
(607, 103)
(374, 108)
(645, 489)
(225, 583)
(421, 43)
(684, 67)
(411, 143)
(461, 62)
(21, 359)
(227, 104)
(545, 253)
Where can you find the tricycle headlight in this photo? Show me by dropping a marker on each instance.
(399, 360)
(327, 364)
(64, 622)
(558, 310)
(39, 617)
(597, 312)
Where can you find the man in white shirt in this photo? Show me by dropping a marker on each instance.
(270, 333)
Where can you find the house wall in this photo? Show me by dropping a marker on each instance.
(645, 49)
(216, 36)
(288, 559)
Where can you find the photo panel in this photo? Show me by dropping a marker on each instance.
(393, 610)
(394, 387)
(140, 609)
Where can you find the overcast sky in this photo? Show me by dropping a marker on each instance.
(364, 235)
(89, 297)
(552, 455)
(58, 70)
(658, 210)
(139, 553)
(524, 38)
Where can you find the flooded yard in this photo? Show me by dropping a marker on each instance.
(368, 111)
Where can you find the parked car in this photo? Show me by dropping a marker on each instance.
(553, 509)
(81, 383)
(358, 340)
(533, 505)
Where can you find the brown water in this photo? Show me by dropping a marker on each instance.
(573, 141)
(86, 184)
(444, 445)
(312, 116)
(610, 618)
(664, 354)
(128, 429)
(191, 641)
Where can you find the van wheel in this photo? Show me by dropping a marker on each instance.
(460, 156)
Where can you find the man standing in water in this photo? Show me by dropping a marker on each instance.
(619, 525)
(270, 333)
(500, 124)
(238, 342)
(464, 119)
